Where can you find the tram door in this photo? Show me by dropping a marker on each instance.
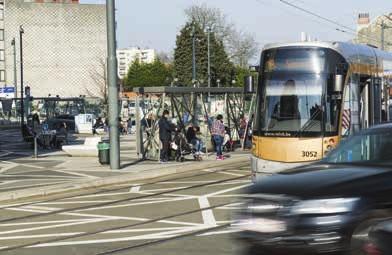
(371, 102)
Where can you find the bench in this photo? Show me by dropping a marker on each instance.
(88, 149)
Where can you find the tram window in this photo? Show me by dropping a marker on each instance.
(299, 60)
(293, 105)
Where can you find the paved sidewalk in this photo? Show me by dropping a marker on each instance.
(22, 176)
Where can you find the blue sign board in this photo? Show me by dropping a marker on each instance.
(7, 90)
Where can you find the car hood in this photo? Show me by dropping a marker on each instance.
(325, 180)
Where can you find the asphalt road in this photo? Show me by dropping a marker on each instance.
(160, 216)
(19, 170)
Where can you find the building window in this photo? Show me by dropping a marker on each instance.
(1, 11)
(2, 75)
(1, 34)
(2, 55)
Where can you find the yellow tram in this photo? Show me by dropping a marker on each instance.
(311, 95)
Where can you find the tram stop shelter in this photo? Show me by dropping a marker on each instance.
(187, 105)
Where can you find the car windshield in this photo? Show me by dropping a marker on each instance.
(369, 148)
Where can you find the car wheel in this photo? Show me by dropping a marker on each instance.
(360, 237)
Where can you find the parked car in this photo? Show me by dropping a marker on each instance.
(380, 239)
(325, 207)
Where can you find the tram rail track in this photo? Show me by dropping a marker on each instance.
(31, 216)
(102, 230)
(103, 190)
(176, 237)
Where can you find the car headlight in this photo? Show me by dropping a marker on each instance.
(324, 206)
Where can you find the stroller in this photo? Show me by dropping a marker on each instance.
(183, 148)
(228, 143)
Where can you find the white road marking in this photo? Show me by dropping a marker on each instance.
(160, 235)
(9, 166)
(33, 185)
(151, 191)
(187, 182)
(233, 174)
(37, 223)
(7, 182)
(77, 202)
(27, 210)
(135, 189)
(77, 174)
(208, 215)
(26, 165)
(38, 236)
(130, 218)
(45, 177)
(120, 231)
(50, 227)
(132, 204)
(100, 195)
(220, 232)
(42, 208)
(231, 195)
(227, 190)
(177, 227)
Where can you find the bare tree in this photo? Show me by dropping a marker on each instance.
(99, 77)
(241, 46)
(212, 18)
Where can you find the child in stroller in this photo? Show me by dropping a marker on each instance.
(183, 148)
(228, 143)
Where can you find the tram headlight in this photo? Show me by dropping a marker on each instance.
(325, 206)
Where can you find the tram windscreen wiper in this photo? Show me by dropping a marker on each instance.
(310, 123)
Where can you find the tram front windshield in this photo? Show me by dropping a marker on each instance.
(291, 94)
(293, 103)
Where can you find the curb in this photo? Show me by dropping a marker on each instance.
(114, 180)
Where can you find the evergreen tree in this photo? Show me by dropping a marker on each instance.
(240, 74)
(221, 66)
(148, 74)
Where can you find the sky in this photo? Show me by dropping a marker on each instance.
(155, 23)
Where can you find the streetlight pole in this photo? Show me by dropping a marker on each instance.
(193, 56)
(112, 86)
(21, 32)
(13, 43)
(209, 57)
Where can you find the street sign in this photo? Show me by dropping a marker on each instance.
(7, 92)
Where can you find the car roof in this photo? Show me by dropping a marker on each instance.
(385, 127)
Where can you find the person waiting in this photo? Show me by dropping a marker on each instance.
(97, 125)
(165, 130)
(218, 133)
(193, 137)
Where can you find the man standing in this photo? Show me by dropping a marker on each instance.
(218, 133)
(165, 129)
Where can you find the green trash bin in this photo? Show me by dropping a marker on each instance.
(104, 153)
